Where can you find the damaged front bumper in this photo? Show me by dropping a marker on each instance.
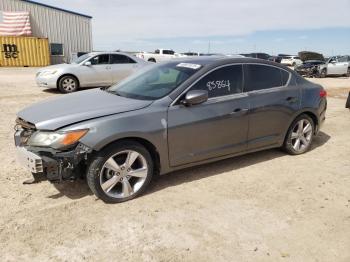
(54, 165)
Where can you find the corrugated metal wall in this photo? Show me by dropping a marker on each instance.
(73, 31)
(24, 51)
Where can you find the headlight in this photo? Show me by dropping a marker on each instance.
(48, 72)
(56, 140)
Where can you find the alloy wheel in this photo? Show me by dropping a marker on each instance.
(123, 174)
(301, 135)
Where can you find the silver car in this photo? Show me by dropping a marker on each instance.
(336, 65)
(97, 69)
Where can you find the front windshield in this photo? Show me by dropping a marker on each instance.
(81, 58)
(155, 81)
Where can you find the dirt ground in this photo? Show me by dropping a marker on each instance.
(266, 206)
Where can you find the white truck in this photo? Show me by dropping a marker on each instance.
(159, 55)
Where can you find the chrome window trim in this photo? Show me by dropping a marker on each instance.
(275, 87)
(243, 93)
(204, 75)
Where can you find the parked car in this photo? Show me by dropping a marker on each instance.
(291, 60)
(258, 55)
(168, 117)
(308, 55)
(159, 55)
(97, 69)
(309, 68)
(277, 58)
(335, 65)
(191, 54)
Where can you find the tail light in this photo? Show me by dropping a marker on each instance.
(323, 93)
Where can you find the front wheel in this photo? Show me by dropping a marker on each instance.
(120, 172)
(300, 135)
(323, 73)
(68, 84)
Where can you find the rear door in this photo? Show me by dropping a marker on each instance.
(214, 128)
(121, 66)
(274, 97)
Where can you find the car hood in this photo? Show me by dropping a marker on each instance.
(57, 67)
(58, 112)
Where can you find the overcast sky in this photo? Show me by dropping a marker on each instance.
(271, 26)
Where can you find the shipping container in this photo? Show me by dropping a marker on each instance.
(24, 51)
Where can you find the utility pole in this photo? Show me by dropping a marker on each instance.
(209, 47)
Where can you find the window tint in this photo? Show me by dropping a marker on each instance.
(168, 52)
(262, 77)
(342, 59)
(223, 81)
(285, 77)
(100, 60)
(121, 59)
(262, 56)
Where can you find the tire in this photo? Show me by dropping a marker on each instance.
(68, 84)
(152, 60)
(118, 183)
(348, 73)
(323, 73)
(294, 133)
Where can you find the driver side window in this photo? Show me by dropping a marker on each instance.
(100, 60)
(224, 81)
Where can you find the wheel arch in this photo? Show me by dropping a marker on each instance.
(67, 74)
(152, 149)
(309, 113)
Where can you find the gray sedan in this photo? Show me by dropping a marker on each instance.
(168, 117)
(97, 69)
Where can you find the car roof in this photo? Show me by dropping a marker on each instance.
(222, 60)
(107, 53)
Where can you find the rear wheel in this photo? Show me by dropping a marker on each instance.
(348, 73)
(120, 172)
(300, 135)
(68, 84)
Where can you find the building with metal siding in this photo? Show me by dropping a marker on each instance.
(68, 32)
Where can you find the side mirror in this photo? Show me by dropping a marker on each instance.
(87, 63)
(195, 97)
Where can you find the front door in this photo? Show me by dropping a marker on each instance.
(98, 73)
(214, 128)
(337, 66)
(274, 98)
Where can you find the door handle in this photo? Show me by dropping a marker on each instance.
(292, 99)
(239, 110)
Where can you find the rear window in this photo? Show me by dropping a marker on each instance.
(121, 59)
(168, 52)
(260, 77)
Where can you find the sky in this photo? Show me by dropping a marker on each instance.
(221, 26)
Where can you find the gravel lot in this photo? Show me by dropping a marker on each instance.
(266, 206)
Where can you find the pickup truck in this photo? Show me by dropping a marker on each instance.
(158, 55)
